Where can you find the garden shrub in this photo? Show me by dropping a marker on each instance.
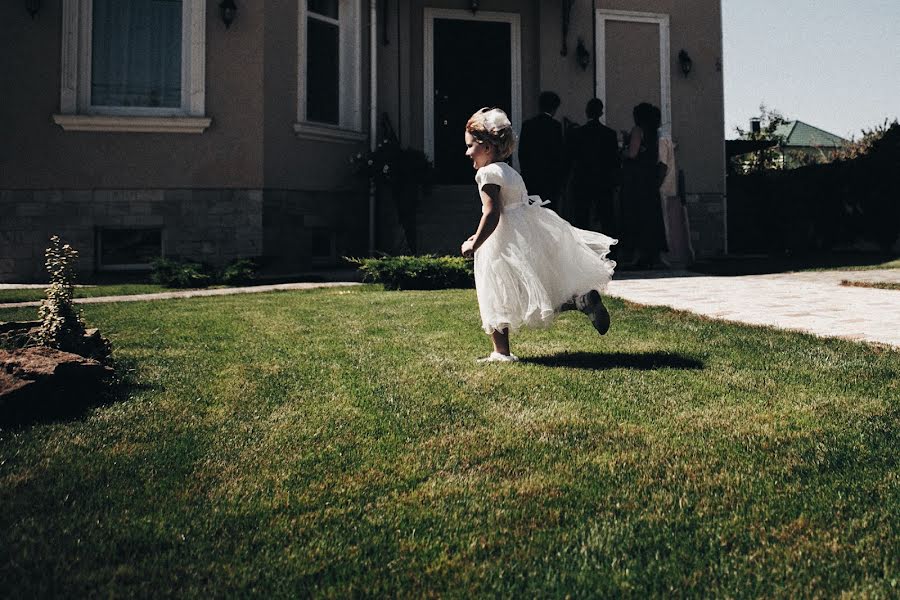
(818, 207)
(178, 274)
(427, 272)
(238, 272)
(61, 324)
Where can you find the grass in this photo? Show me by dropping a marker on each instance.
(881, 285)
(90, 291)
(343, 442)
(822, 261)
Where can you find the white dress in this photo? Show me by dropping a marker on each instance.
(534, 261)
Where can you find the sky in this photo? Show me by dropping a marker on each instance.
(834, 64)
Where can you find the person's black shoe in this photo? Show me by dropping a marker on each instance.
(592, 305)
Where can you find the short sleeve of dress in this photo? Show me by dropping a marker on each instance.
(491, 173)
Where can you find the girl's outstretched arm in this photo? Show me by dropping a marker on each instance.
(490, 218)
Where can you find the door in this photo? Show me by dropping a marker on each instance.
(633, 64)
(471, 61)
(472, 69)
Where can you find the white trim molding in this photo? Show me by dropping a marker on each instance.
(431, 14)
(75, 84)
(350, 111)
(324, 133)
(665, 78)
(132, 123)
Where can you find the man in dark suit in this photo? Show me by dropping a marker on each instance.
(541, 150)
(592, 153)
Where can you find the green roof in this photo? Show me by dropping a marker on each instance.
(800, 134)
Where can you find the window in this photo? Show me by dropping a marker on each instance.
(323, 247)
(133, 66)
(127, 249)
(329, 98)
(136, 53)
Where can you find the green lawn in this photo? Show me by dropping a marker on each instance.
(343, 442)
(872, 284)
(821, 261)
(90, 291)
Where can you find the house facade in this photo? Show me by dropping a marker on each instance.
(151, 127)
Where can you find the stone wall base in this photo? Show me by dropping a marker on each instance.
(285, 229)
(707, 224)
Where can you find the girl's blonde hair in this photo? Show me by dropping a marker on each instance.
(492, 126)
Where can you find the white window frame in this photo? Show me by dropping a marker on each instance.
(350, 112)
(665, 77)
(431, 14)
(75, 109)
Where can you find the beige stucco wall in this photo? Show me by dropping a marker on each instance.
(38, 154)
(697, 101)
(293, 162)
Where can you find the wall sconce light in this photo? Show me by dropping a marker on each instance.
(582, 55)
(229, 12)
(473, 6)
(33, 7)
(684, 59)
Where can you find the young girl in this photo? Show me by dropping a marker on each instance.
(530, 264)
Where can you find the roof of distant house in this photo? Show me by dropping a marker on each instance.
(800, 134)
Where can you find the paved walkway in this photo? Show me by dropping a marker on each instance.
(813, 302)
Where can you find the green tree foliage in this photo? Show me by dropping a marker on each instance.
(870, 140)
(768, 159)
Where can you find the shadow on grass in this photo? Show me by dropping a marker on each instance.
(645, 361)
(49, 404)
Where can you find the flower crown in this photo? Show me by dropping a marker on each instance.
(495, 120)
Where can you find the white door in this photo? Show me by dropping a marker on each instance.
(632, 64)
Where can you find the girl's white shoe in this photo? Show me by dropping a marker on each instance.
(497, 357)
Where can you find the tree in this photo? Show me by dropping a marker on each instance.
(869, 140)
(767, 159)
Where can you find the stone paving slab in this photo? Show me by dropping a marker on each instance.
(253, 289)
(811, 302)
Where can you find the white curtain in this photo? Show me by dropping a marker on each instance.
(136, 53)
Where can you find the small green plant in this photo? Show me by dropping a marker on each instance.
(178, 274)
(425, 272)
(238, 272)
(61, 324)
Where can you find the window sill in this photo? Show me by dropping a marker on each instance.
(132, 124)
(324, 133)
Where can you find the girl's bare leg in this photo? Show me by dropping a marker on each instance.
(500, 339)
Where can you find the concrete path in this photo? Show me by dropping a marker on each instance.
(813, 302)
(253, 289)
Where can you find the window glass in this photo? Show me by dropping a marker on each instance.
(328, 8)
(129, 246)
(323, 72)
(136, 53)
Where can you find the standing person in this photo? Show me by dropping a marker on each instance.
(678, 237)
(593, 153)
(640, 191)
(542, 172)
(530, 264)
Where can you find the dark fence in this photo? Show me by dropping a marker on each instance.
(819, 206)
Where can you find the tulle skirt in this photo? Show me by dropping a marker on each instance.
(533, 263)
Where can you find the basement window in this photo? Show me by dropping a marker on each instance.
(133, 249)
